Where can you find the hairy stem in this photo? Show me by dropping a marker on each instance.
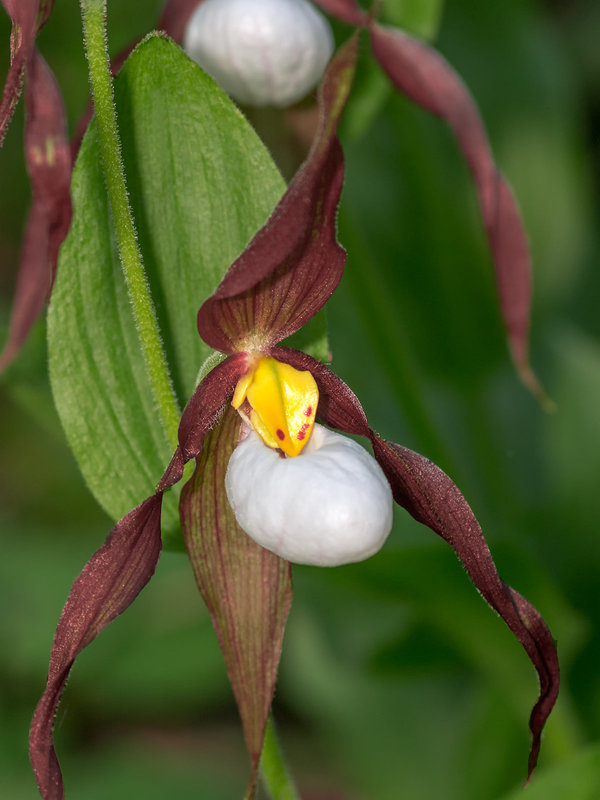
(94, 19)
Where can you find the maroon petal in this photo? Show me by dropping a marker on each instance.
(120, 569)
(433, 499)
(28, 17)
(425, 77)
(108, 585)
(294, 263)
(248, 590)
(49, 165)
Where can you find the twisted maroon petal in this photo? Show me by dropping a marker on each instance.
(116, 574)
(429, 495)
(294, 263)
(49, 165)
(432, 498)
(109, 583)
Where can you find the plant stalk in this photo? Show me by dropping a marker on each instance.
(93, 14)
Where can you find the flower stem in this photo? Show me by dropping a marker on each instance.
(273, 769)
(93, 14)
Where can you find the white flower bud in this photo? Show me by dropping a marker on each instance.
(261, 52)
(328, 506)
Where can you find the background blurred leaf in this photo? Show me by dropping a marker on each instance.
(200, 183)
(421, 17)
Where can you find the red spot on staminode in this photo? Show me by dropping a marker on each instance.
(280, 434)
(302, 432)
(308, 411)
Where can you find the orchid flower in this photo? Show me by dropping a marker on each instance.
(415, 69)
(248, 69)
(263, 394)
(48, 156)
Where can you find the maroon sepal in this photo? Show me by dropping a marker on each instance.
(425, 77)
(429, 495)
(247, 589)
(49, 165)
(294, 263)
(108, 584)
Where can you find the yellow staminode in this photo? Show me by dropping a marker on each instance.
(283, 401)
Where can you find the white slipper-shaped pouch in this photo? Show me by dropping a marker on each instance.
(328, 506)
(261, 52)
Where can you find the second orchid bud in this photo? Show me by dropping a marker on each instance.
(261, 52)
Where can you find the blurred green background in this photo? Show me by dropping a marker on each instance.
(396, 681)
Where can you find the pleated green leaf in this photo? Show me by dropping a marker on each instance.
(200, 184)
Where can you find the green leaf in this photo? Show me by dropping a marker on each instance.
(421, 17)
(200, 184)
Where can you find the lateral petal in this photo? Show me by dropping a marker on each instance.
(108, 584)
(292, 266)
(431, 497)
(120, 569)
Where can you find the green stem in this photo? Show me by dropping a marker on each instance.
(273, 768)
(94, 19)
